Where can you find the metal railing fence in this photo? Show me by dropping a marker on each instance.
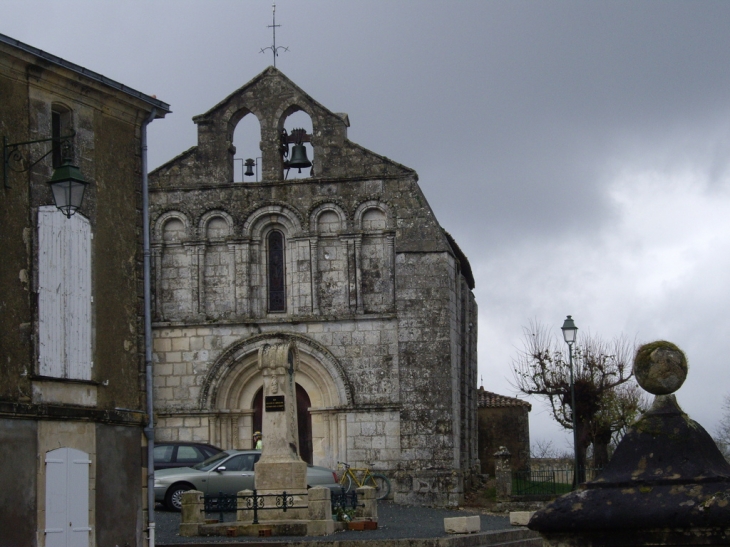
(228, 503)
(547, 481)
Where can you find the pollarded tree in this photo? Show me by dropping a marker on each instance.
(605, 403)
(619, 408)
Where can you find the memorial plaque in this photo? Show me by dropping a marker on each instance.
(274, 403)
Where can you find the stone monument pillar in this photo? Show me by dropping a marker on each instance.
(280, 467)
(503, 473)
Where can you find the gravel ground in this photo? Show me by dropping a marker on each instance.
(394, 522)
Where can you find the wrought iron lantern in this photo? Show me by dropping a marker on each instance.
(67, 183)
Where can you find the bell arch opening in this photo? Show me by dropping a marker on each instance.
(298, 151)
(247, 144)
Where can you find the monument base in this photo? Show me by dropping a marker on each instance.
(274, 477)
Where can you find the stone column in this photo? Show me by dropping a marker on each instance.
(342, 436)
(358, 273)
(320, 512)
(369, 508)
(197, 283)
(503, 473)
(389, 299)
(214, 429)
(240, 279)
(255, 295)
(157, 280)
(314, 268)
(235, 440)
(244, 509)
(245, 433)
(280, 468)
(352, 277)
(192, 513)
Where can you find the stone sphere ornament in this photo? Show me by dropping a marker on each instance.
(660, 367)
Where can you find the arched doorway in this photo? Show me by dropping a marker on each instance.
(232, 390)
(304, 420)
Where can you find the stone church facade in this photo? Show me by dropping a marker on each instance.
(350, 264)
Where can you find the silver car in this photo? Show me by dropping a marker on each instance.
(229, 472)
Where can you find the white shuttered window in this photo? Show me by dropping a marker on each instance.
(64, 295)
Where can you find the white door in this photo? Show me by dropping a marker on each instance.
(67, 498)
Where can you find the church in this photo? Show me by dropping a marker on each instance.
(346, 261)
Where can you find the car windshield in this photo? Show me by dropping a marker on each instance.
(211, 462)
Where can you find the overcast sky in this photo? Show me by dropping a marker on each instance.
(577, 151)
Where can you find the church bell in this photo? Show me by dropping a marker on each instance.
(249, 163)
(299, 157)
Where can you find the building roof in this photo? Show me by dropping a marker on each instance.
(162, 108)
(487, 399)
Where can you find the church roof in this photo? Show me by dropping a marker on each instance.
(487, 399)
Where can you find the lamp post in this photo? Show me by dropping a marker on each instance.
(570, 333)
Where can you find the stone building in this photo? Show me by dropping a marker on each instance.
(502, 422)
(349, 263)
(71, 334)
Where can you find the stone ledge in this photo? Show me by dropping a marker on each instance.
(276, 528)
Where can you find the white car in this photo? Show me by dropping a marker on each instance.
(228, 472)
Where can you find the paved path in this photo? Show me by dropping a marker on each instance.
(394, 522)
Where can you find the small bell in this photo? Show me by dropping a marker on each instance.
(249, 163)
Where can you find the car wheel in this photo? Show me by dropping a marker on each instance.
(173, 498)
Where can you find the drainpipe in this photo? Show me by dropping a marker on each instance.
(149, 431)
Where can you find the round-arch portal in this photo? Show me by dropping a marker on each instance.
(230, 388)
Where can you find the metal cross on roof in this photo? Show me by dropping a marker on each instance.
(274, 49)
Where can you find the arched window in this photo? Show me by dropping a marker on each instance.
(61, 126)
(277, 278)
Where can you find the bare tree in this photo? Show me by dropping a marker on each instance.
(603, 406)
(544, 449)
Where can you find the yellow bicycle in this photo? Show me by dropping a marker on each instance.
(355, 477)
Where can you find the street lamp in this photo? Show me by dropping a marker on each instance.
(68, 186)
(67, 183)
(570, 332)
